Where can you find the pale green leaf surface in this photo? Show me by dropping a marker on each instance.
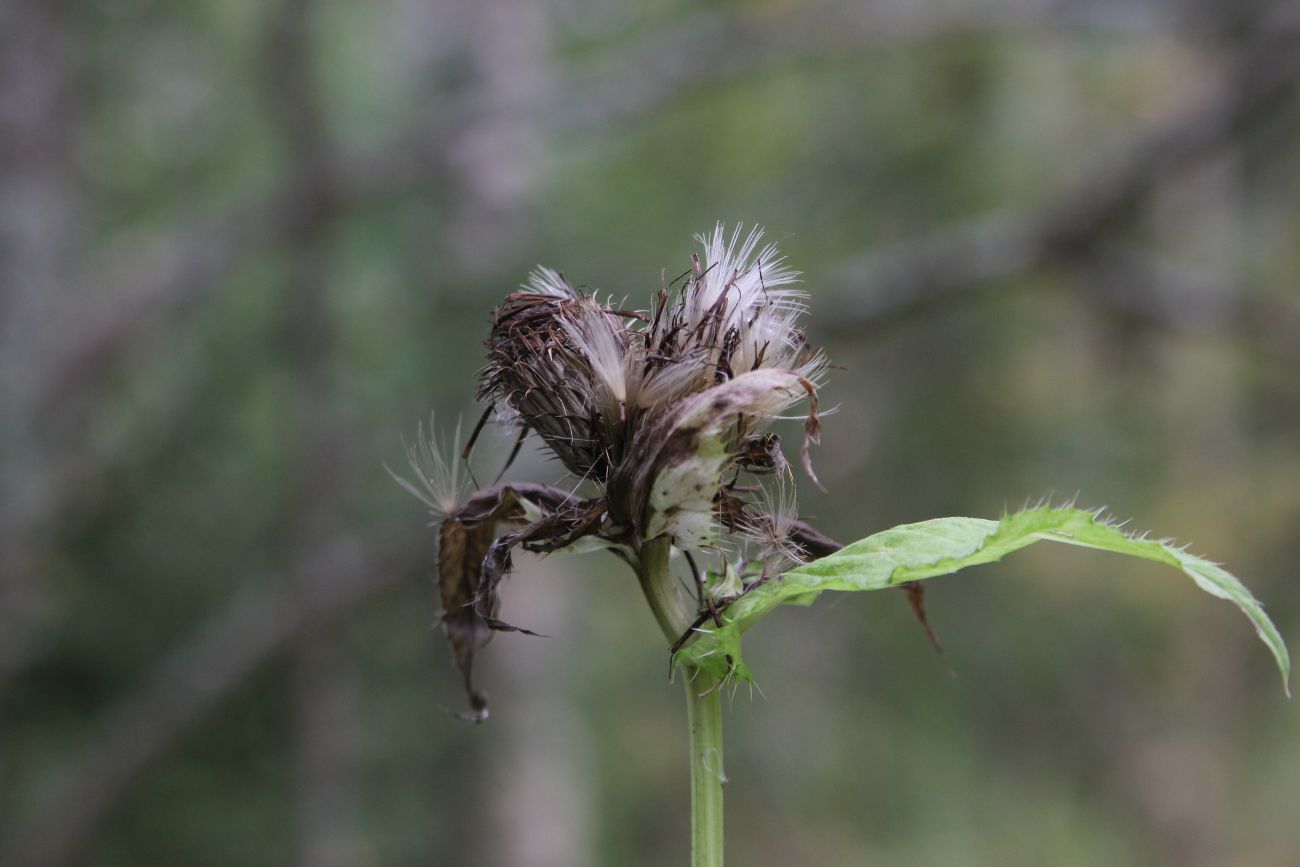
(912, 552)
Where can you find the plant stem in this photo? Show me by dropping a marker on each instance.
(704, 715)
(670, 609)
(703, 707)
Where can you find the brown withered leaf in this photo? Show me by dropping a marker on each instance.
(813, 541)
(812, 433)
(916, 598)
(460, 557)
(465, 539)
(553, 531)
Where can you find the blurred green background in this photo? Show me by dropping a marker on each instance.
(246, 246)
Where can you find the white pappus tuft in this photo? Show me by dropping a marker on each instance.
(769, 524)
(438, 481)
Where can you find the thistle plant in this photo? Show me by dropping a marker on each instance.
(660, 416)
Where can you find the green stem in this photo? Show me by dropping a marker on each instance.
(704, 715)
(671, 611)
(703, 707)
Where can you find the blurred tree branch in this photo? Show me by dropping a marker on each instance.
(41, 207)
(914, 277)
(325, 692)
(1169, 295)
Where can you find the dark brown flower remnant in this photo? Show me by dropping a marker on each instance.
(662, 412)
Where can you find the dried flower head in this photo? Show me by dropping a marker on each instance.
(663, 409)
(587, 376)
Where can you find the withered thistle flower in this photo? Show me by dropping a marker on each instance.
(663, 410)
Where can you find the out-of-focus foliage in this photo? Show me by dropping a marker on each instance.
(247, 246)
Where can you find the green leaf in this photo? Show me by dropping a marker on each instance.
(912, 552)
